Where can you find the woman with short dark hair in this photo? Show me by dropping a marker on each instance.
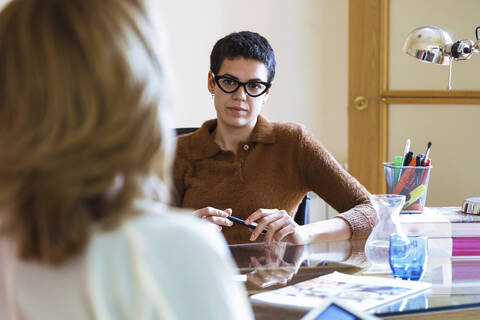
(243, 165)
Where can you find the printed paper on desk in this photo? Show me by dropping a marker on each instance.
(361, 292)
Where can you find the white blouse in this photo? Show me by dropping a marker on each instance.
(163, 264)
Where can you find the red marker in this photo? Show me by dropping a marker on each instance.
(424, 176)
(404, 178)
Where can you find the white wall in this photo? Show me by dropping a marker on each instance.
(310, 40)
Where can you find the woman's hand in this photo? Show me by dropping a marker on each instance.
(280, 226)
(215, 216)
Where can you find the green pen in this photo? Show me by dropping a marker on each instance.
(396, 172)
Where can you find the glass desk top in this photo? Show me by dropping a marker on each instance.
(455, 282)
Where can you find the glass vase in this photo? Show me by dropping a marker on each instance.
(388, 208)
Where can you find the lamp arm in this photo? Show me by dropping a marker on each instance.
(476, 46)
(463, 49)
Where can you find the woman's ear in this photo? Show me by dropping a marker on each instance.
(211, 83)
(266, 95)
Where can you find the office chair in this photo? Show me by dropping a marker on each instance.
(180, 131)
(301, 217)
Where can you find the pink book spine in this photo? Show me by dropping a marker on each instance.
(466, 246)
(465, 270)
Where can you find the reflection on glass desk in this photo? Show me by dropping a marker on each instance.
(455, 291)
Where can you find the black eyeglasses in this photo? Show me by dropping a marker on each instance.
(252, 88)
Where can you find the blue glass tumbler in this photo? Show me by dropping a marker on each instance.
(408, 256)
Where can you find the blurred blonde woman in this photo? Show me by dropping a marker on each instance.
(84, 166)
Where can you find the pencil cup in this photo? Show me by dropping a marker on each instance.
(412, 182)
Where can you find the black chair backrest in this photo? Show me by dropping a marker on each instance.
(180, 131)
(301, 216)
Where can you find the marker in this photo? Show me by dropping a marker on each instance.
(405, 177)
(410, 184)
(397, 162)
(415, 206)
(242, 222)
(408, 159)
(428, 163)
(418, 160)
(415, 194)
(418, 163)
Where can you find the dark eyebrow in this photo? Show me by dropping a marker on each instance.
(230, 76)
(235, 78)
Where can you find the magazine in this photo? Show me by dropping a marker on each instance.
(361, 292)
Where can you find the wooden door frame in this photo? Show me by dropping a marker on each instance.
(368, 77)
(367, 127)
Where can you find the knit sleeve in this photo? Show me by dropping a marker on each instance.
(324, 176)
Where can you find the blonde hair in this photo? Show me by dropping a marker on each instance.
(82, 132)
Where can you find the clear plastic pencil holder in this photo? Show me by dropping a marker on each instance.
(412, 182)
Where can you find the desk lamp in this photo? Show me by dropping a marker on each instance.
(433, 45)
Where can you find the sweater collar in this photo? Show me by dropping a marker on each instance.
(263, 131)
(203, 145)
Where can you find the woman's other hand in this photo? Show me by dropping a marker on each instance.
(215, 216)
(278, 265)
(280, 226)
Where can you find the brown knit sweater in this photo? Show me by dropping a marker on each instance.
(274, 169)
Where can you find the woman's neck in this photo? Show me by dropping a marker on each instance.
(228, 138)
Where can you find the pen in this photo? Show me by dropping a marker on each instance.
(406, 150)
(242, 222)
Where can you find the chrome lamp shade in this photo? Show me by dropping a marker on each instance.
(433, 45)
(429, 44)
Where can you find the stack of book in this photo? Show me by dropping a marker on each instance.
(454, 240)
(448, 228)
